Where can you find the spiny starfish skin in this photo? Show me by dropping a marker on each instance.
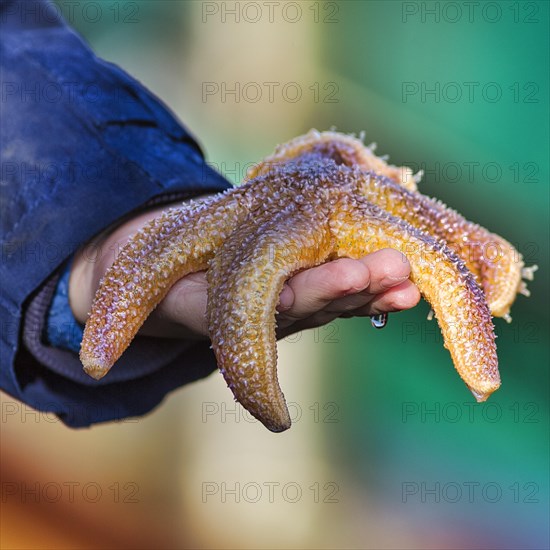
(304, 206)
(496, 264)
(179, 242)
(342, 149)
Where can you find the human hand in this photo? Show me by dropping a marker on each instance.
(376, 283)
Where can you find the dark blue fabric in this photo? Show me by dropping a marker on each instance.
(82, 145)
(62, 328)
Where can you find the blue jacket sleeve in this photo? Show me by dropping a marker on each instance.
(82, 146)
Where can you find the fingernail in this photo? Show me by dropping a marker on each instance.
(388, 282)
(286, 299)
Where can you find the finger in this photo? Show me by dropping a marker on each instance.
(388, 268)
(314, 289)
(182, 313)
(403, 296)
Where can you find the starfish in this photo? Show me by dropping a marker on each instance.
(319, 197)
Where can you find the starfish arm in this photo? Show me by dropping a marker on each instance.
(241, 308)
(343, 149)
(177, 243)
(496, 264)
(443, 280)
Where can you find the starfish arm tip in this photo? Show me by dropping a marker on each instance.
(482, 395)
(278, 427)
(94, 368)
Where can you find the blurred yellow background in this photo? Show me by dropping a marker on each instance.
(388, 449)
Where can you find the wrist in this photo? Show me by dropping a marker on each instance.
(92, 261)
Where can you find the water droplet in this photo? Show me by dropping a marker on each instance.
(379, 321)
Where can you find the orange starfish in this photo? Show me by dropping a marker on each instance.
(319, 197)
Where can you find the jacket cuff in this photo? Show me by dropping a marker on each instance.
(151, 365)
(52, 379)
(143, 357)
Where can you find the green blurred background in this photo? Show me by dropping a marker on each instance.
(388, 449)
